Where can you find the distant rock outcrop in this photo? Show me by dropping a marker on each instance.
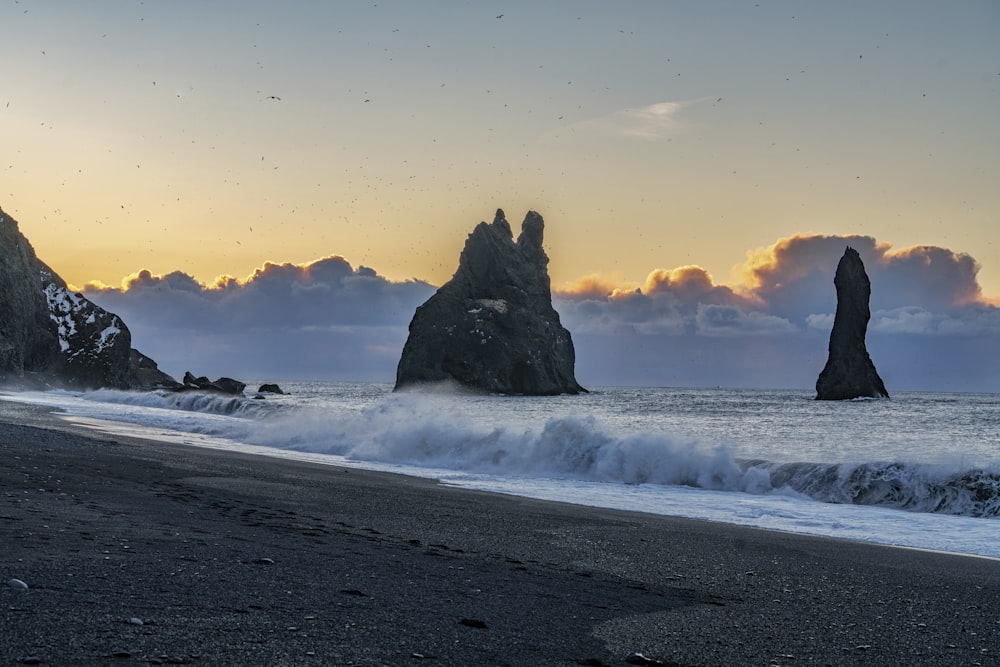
(146, 374)
(50, 336)
(492, 327)
(849, 371)
(223, 385)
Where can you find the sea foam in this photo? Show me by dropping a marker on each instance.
(486, 436)
(720, 455)
(432, 432)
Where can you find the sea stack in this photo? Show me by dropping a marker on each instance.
(53, 337)
(492, 327)
(849, 371)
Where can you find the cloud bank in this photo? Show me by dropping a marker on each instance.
(931, 327)
(321, 320)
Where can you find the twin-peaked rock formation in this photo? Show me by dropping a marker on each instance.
(492, 326)
(849, 371)
(50, 336)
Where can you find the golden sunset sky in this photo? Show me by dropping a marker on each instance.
(210, 137)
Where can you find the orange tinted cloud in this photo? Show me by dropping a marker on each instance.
(327, 268)
(592, 286)
(687, 278)
(791, 259)
(665, 294)
(175, 280)
(793, 268)
(686, 285)
(788, 287)
(690, 285)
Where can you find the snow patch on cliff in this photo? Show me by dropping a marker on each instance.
(63, 307)
(67, 309)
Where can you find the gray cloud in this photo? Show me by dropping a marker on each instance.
(324, 319)
(715, 320)
(930, 328)
(794, 277)
(682, 328)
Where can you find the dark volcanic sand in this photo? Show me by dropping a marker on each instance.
(231, 559)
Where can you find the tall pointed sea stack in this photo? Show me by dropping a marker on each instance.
(492, 327)
(849, 371)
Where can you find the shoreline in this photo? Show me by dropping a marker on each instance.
(959, 534)
(90, 427)
(231, 558)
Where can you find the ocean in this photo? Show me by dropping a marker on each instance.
(919, 470)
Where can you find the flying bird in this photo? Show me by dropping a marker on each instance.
(273, 97)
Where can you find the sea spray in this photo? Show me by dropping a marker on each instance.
(428, 431)
(900, 454)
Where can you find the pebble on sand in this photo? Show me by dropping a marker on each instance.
(17, 583)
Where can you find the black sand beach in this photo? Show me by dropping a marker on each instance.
(150, 553)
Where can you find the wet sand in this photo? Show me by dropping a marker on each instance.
(139, 552)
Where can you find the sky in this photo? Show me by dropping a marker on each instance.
(172, 157)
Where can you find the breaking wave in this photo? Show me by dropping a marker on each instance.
(410, 429)
(188, 401)
(907, 486)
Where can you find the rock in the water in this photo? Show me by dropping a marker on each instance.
(223, 385)
(230, 386)
(147, 374)
(51, 336)
(270, 389)
(849, 371)
(492, 327)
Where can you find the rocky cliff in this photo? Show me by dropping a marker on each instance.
(492, 327)
(849, 371)
(51, 336)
